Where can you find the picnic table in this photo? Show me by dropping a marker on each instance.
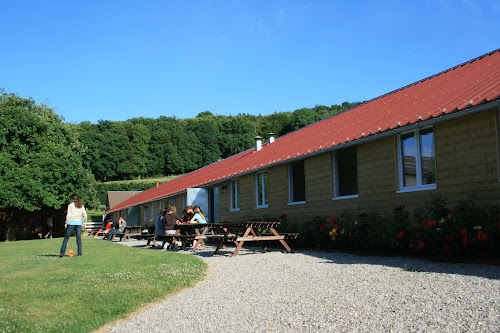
(250, 231)
(129, 232)
(236, 232)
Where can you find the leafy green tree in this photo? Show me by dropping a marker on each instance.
(278, 123)
(303, 117)
(207, 132)
(139, 137)
(236, 134)
(41, 158)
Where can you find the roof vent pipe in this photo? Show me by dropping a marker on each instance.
(271, 137)
(258, 143)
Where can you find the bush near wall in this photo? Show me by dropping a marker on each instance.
(465, 230)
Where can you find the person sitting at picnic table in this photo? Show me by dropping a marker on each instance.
(121, 228)
(171, 219)
(198, 216)
(159, 225)
(109, 225)
(188, 214)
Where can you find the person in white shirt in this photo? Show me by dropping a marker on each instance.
(75, 217)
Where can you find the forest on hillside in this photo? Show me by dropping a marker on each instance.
(145, 147)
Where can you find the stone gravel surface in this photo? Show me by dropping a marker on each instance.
(313, 291)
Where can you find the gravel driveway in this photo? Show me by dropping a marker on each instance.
(311, 291)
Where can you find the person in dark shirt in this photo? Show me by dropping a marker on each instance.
(171, 219)
(188, 214)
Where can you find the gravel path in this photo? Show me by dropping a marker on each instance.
(312, 291)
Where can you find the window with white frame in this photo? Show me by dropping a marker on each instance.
(261, 189)
(152, 213)
(172, 201)
(417, 160)
(184, 200)
(345, 169)
(145, 213)
(296, 182)
(159, 205)
(235, 195)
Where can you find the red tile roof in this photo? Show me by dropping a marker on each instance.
(469, 84)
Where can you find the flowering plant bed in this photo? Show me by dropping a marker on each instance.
(463, 231)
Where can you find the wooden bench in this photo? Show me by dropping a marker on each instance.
(129, 232)
(171, 238)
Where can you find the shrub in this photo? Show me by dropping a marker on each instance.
(465, 230)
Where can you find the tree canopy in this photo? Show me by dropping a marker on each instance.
(41, 158)
(144, 147)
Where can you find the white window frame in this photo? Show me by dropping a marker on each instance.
(336, 195)
(265, 204)
(290, 185)
(418, 166)
(152, 213)
(145, 213)
(234, 192)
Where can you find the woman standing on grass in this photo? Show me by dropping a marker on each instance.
(75, 216)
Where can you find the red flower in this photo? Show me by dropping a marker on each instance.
(479, 213)
(481, 236)
(449, 238)
(333, 218)
(463, 232)
(335, 231)
(450, 211)
(349, 234)
(290, 223)
(424, 223)
(401, 234)
(421, 245)
(465, 241)
(406, 215)
(410, 246)
(322, 228)
(447, 248)
(283, 216)
(317, 245)
(431, 223)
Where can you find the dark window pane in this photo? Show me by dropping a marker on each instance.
(409, 159)
(298, 182)
(347, 168)
(428, 157)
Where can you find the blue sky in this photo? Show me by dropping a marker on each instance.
(116, 60)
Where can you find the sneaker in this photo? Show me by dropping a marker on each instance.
(166, 246)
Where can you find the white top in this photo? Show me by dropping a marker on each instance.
(75, 214)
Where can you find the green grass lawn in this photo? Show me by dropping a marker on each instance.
(41, 292)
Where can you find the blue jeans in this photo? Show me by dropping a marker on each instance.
(69, 230)
(114, 232)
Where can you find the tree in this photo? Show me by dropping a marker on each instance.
(41, 161)
(236, 134)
